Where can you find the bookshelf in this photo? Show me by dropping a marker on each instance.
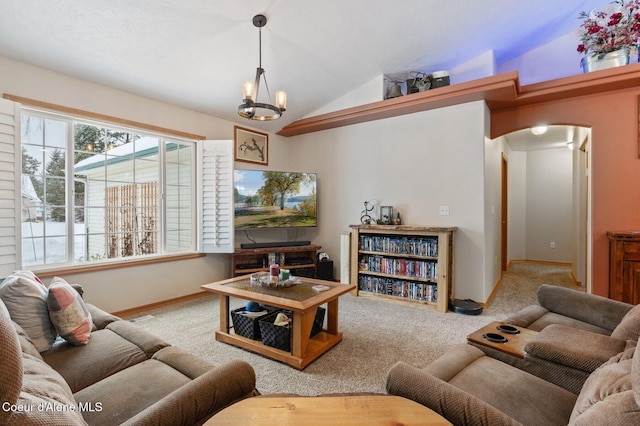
(403, 263)
(300, 260)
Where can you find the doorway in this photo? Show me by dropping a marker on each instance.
(545, 207)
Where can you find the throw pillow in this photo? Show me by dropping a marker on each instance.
(25, 297)
(68, 312)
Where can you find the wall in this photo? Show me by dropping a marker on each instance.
(549, 190)
(517, 205)
(540, 204)
(493, 153)
(580, 199)
(615, 197)
(124, 288)
(556, 59)
(414, 163)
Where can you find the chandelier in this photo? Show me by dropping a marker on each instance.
(250, 107)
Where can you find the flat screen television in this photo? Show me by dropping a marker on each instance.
(268, 199)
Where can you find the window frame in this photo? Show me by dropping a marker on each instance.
(72, 265)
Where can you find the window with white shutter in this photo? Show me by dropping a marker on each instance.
(189, 220)
(215, 179)
(10, 188)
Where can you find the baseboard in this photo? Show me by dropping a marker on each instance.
(162, 304)
(496, 287)
(544, 262)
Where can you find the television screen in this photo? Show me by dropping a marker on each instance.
(267, 199)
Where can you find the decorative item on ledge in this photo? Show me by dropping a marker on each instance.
(393, 89)
(617, 58)
(607, 36)
(418, 82)
(386, 215)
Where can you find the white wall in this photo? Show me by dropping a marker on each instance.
(493, 211)
(549, 204)
(414, 163)
(517, 205)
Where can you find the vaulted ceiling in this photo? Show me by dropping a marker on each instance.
(197, 53)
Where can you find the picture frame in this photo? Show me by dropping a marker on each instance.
(386, 215)
(251, 146)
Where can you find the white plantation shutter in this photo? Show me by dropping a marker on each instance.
(215, 194)
(10, 187)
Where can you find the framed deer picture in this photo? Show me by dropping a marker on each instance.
(251, 146)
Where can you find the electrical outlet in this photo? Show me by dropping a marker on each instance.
(444, 210)
(552, 244)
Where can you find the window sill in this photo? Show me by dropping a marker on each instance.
(48, 273)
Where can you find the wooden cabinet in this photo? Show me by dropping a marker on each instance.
(405, 263)
(624, 266)
(300, 260)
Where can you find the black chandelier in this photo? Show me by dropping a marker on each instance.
(250, 107)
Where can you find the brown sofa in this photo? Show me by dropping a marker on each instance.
(572, 308)
(578, 369)
(468, 387)
(578, 332)
(123, 375)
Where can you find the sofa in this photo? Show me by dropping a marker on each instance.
(105, 370)
(577, 332)
(578, 368)
(572, 308)
(467, 387)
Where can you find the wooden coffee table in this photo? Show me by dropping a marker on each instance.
(327, 410)
(515, 342)
(301, 299)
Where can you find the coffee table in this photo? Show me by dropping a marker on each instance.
(514, 345)
(327, 410)
(301, 299)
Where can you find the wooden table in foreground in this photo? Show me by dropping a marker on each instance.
(301, 299)
(327, 410)
(515, 342)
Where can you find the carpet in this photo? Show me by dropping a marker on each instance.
(376, 334)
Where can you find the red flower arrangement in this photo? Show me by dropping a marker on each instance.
(615, 27)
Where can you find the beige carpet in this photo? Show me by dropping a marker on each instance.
(376, 334)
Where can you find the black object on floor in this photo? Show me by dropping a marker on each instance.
(466, 307)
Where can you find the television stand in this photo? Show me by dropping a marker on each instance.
(250, 260)
(274, 244)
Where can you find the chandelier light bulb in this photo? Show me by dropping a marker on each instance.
(247, 90)
(281, 100)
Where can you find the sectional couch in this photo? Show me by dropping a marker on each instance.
(580, 369)
(105, 370)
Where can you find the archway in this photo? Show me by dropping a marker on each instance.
(547, 194)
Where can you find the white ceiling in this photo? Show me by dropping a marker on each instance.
(197, 53)
(554, 137)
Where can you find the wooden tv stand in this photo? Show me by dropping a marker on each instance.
(249, 261)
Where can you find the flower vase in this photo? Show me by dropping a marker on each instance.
(613, 59)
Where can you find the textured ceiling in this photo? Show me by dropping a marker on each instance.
(197, 53)
(554, 137)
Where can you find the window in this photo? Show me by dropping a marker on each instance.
(95, 192)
